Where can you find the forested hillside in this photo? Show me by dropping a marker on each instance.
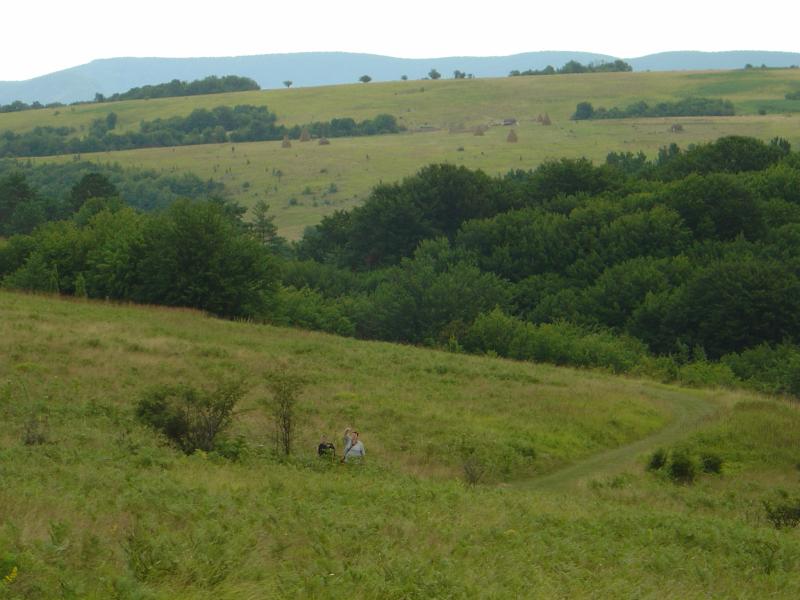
(685, 267)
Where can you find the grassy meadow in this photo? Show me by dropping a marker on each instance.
(95, 505)
(306, 182)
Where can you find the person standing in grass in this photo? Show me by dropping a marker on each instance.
(356, 451)
(347, 441)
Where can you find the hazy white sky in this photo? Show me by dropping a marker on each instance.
(41, 36)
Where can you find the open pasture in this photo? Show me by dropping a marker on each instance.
(95, 505)
(307, 181)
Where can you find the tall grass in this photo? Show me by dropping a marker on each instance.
(105, 508)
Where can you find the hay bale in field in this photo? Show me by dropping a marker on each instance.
(286, 143)
(539, 118)
(305, 136)
(676, 128)
(324, 141)
(546, 120)
(512, 137)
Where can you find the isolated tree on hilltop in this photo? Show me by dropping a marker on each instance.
(434, 74)
(288, 83)
(365, 79)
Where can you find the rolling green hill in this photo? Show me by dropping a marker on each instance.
(95, 505)
(308, 181)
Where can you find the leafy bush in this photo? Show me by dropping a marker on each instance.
(190, 417)
(784, 512)
(682, 467)
(711, 463)
(285, 388)
(559, 343)
(472, 458)
(772, 369)
(706, 374)
(232, 449)
(657, 460)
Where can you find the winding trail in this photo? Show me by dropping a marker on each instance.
(689, 409)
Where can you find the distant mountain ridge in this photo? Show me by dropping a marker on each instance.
(113, 75)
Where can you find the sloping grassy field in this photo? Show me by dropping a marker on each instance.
(104, 508)
(450, 102)
(306, 182)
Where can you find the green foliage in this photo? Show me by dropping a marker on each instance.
(682, 467)
(241, 123)
(658, 460)
(92, 185)
(309, 309)
(436, 289)
(285, 388)
(783, 512)
(711, 463)
(774, 369)
(190, 417)
(473, 459)
(687, 107)
(52, 185)
(396, 218)
(559, 343)
(573, 67)
(175, 88)
(195, 255)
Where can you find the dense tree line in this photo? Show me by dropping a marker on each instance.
(176, 88)
(194, 253)
(34, 194)
(686, 266)
(633, 265)
(19, 106)
(242, 123)
(793, 95)
(686, 107)
(573, 67)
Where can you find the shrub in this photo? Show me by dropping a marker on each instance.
(711, 463)
(657, 460)
(232, 449)
(34, 432)
(472, 462)
(190, 417)
(285, 388)
(682, 467)
(783, 513)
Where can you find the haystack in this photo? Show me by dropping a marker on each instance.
(286, 143)
(512, 137)
(324, 141)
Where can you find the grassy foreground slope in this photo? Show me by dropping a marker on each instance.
(307, 181)
(105, 509)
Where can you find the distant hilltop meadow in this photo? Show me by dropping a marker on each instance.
(114, 75)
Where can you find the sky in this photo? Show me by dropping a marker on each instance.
(41, 37)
